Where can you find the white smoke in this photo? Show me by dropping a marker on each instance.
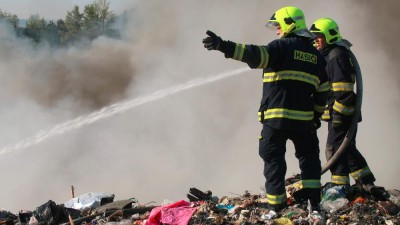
(204, 137)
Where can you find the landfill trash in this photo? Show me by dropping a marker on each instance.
(176, 213)
(269, 216)
(394, 196)
(197, 195)
(334, 205)
(7, 217)
(283, 221)
(339, 205)
(388, 207)
(334, 198)
(316, 217)
(117, 205)
(89, 200)
(51, 213)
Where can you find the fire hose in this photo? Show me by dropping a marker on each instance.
(356, 116)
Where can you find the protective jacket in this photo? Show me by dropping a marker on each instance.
(340, 107)
(295, 84)
(341, 73)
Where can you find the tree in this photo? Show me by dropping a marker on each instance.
(106, 17)
(91, 21)
(73, 24)
(98, 18)
(12, 19)
(61, 27)
(35, 27)
(51, 34)
(34, 22)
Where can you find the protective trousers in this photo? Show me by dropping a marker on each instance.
(351, 162)
(272, 150)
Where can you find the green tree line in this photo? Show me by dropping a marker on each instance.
(95, 20)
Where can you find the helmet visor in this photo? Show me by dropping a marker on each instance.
(272, 25)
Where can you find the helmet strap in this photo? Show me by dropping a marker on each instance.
(288, 30)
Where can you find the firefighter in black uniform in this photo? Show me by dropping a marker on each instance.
(340, 107)
(295, 88)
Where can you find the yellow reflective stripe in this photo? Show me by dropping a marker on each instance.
(324, 87)
(259, 116)
(276, 199)
(342, 86)
(311, 183)
(319, 108)
(345, 110)
(289, 114)
(291, 75)
(239, 51)
(357, 175)
(326, 115)
(264, 57)
(336, 179)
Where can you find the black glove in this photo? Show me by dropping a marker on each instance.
(213, 42)
(337, 123)
(317, 120)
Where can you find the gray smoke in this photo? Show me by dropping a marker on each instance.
(206, 137)
(378, 21)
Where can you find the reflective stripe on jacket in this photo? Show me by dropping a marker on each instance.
(295, 84)
(341, 75)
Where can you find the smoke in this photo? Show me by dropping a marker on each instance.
(374, 37)
(381, 32)
(205, 137)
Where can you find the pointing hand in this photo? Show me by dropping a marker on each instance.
(212, 42)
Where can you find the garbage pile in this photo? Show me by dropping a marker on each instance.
(340, 205)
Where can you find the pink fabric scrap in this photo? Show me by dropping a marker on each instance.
(177, 213)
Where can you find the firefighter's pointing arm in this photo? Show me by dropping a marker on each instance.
(255, 56)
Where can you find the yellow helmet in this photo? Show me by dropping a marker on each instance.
(328, 28)
(289, 18)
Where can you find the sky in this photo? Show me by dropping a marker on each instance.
(204, 136)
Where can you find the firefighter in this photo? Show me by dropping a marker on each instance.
(340, 107)
(295, 89)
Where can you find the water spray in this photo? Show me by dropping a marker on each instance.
(112, 110)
